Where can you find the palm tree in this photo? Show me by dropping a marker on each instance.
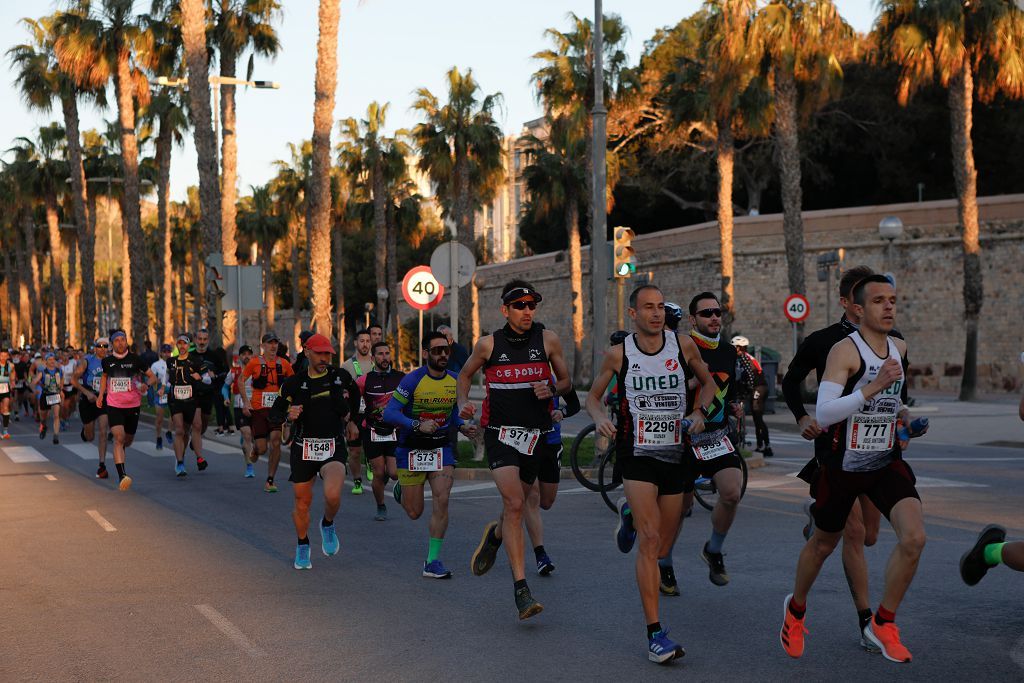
(803, 39)
(259, 219)
(401, 211)
(22, 172)
(973, 49)
(460, 146)
(289, 191)
(12, 268)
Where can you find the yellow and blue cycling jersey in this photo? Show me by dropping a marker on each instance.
(422, 397)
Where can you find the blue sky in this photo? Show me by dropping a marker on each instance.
(387, 49)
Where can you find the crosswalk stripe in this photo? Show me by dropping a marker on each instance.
(150, 449)
(211, 446)
(85, 451)
(21, 454)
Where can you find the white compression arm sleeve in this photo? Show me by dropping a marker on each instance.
(833, 407)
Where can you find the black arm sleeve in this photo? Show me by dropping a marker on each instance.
(279, 411)
(904, 392)
(801, 366)
(350, 386)
(572, 403)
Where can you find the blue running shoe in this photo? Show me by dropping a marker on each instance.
(544, 565)
(397, 493)
(330, 539)
(625, 534)
(302, 557)
(661, 649)
(169, 436)
(250, 471)
(436, 570)
(179, 469)
(159, 443)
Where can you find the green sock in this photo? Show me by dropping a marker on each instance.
(435, 549)
(994, 553)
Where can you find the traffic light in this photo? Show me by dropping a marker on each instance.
(624, 256)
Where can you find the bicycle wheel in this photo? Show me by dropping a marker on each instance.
(586, 476)
(609, 477)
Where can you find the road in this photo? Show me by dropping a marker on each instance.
(187, 579)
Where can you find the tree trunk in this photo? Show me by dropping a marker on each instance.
(79, 201)
(32, 271)
(319, 186)
(572, 226)
(126, 276)
(164, 143)
(182, 300)
(296, 297)
(269, 299)
(197, 290)
(393, 292)
(725, 158)
(229, 182)
(87, 246)
(57, 259)
(380, 231)
(961, 100)
(13, 280)
(193, 31)
(787, 151)
(339, 289)
(465, 219)
(74, 297)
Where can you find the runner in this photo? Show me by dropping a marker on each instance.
(157, 398)
(8, 381)
(379, 438)
(187, 374)
(240, 396)
(524, 369)
(751, 383)
(50, 381)
(215, 362)
(118, 392)
(423, 407)
(301, 362)
(87, 379)
(22, 368)
(266, 373)
(317, 401)
(652, 366)
(990, 550)
(712, 454)
(357, 366)
(376, 333)
(70, 394)
(859, 404)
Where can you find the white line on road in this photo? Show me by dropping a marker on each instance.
(50, 477)
(85, 451)
(99, 519)
(230, 630)
(24, 454)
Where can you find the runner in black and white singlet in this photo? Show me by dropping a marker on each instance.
(524, 368)
(8, 379)
(652, 366)
(859, 404)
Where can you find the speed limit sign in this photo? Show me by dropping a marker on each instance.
(796, 307)
(420, 289)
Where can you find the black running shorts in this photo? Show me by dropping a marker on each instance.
(669, 477)
(550, 470)
(707, 468)
(835, 491)
(304, 470)
(89, 412)
(123, 417)
(503, 455)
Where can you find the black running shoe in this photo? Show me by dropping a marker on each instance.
(101, 472)
(973, 566)
(483, 556)
(668, 585)
(526, 605)
(201, 463)
(82, 434)
(716, 565)
(768, 452)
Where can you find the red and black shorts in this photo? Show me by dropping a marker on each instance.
(835, 490)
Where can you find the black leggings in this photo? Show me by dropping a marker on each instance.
(223, 419)
(757, 411)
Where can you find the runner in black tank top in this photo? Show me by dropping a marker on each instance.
(524, 368)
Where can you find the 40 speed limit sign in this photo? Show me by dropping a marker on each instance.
(421, 290)
(796, 308)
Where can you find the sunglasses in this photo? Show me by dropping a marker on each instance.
(520, 305)
(103, 346)
(441, 351)
(710, 313)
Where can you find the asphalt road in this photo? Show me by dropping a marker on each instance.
(186, 579)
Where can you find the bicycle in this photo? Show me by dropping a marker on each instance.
(587, 476)
(704, 489)
(609, 474)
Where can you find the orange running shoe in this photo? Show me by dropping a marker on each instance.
(887, 637)
(793, 630)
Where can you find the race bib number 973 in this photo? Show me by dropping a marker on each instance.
(317, 450)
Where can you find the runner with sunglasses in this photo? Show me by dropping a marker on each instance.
(524, 368)
(8, 378)
(87, 379)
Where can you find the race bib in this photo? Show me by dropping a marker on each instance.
(96, 384)
(381, 438)
(522, 439)
(268, 398)
(162, 400)
(317, 450)
(5, 388)
(118, 385)
(20, 385)
(715, 449)
(238, 400)
(658, 429)
(52, 399)
(362, 405)
(870, 432)
(182, 392)
(425, 461)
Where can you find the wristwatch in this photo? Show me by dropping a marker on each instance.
(415, 425)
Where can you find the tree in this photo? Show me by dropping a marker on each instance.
(460, 146)
(289, 194)
(973, 49)
(319, 189)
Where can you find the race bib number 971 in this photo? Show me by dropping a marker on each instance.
(425, 461)
(317, 450)
(522, 439)
(658, 429)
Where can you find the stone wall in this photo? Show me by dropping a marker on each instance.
(927, 264)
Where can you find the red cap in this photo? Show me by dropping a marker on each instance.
(318, 343)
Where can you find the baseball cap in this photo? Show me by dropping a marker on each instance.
(305, 335)
(165, 348)
(519, 292)
(245, 348)
(118, 333)
(270, 337)
(318, 343)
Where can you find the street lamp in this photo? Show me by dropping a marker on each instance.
(890, 228)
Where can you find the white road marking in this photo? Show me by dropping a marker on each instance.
(230, 630)
(50, 477)
(217, 447)
(24, 454)
(150, 449)
(99, 519)
(85, 451)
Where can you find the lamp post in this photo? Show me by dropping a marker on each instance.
(599, 221)
(890, 228)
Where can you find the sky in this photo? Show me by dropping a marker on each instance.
(386, 50)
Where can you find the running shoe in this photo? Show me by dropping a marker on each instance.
(101, 472)
(865, 643)
(661, 649)
(396, 491)
(887, 638)
(526, 605)
(250, 471)
(768, 452)
(382, 513)
(330, 544)
(716, 566)
(55, 439)
(179, 470)
(42, 432)
(625, 534)
(668, 584)
(369, 474)
(302, 557)
(486, 551)
(125, 483)
(159, 443)
(436, 570)
(201, 463)
(5, 435)
(792, 634)
(357, 487)
(544, 565)
(809, 527)
(973, 566)
(270, 487)
(169, 436)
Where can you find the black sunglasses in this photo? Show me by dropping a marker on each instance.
(440, 351)
(520, 305)
(103, 346)
(710, 313)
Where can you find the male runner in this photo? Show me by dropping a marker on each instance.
(712, 453)
(301, 361)
(652, 366)
(23, 369)
(266, 373)
(524, 369)
(357, 366)
(750, 382)
(70, 395)
(423, 407)
(121, 369)
(990, 550)
(859, 404)
(88, 379)
(8, 380)
(215, 362)
(376, 333)
(159, 400)
(240, 396)
(50, 381)
(187, 375)
(316, 403)
(378, 437)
